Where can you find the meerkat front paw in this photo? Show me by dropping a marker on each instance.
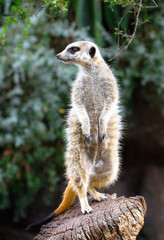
(102, 130)
(101, 137)
(88, 138)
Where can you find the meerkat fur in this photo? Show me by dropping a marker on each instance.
(94, 128)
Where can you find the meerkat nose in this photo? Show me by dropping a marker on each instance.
(58, 55)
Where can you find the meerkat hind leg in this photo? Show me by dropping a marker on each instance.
(97, 195)
(80, 185)
(82, 194)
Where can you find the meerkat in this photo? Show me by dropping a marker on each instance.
(94, 128)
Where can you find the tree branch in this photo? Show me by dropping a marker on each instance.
(129, 38)
(117, 218)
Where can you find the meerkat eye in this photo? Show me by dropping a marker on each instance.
(92, 51)
(72, 50)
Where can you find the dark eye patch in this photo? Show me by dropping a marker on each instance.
(92, 52)
(72, 50)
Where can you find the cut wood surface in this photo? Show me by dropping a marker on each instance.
(116, 218)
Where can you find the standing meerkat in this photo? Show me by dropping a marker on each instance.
(94, 127)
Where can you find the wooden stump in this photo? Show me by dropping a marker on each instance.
(116, 218)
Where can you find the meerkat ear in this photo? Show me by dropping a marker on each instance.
(92, 51)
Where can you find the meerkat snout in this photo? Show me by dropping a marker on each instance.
(58, 55)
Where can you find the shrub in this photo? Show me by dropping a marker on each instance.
(141, 67)
(35, 90)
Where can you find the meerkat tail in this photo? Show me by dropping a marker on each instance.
(68, 199)
(37, 225)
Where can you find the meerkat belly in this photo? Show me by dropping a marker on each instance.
(103, 160)
(94, 106)
(106, 161)
(94, 103)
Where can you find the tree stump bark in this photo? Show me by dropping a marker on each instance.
(116, 218)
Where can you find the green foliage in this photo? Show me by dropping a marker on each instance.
(141, 67)
(116, 16)
(35, 89)
(123, 3)
(86, 13)
(57, 5)
(13, 12)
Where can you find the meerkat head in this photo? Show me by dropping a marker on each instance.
(82, 53)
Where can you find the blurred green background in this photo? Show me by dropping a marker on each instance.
(35, 95)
